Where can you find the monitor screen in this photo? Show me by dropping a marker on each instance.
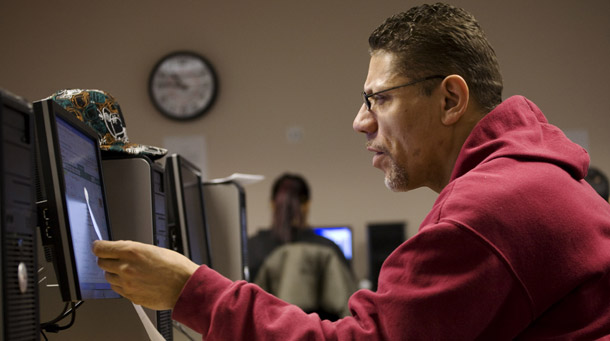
(85, 204)
(74, 205)
(341, 235)
(186, 214)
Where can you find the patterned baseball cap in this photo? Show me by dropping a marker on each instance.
(99, 110)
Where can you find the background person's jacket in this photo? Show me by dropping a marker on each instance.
(311, 276)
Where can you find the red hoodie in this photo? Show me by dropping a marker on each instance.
(517, 246)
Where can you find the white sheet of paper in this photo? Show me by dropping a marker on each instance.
(240, 178)
(152, 332)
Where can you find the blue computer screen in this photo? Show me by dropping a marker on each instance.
(341, 235)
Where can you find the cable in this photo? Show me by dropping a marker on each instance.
(73, 313)
(58, 318)
(53, 327)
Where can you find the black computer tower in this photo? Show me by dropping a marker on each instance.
(18, 280)
(382, 238)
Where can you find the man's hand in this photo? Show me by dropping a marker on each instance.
(145, 274)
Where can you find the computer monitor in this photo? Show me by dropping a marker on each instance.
(185, 210)
(341, 235)
(71, 201)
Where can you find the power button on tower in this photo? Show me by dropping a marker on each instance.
(22, 276)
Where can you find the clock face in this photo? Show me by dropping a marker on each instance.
(183, 85)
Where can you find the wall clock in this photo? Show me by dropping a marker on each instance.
(183, 85)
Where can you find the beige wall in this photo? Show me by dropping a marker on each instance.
(286, 64)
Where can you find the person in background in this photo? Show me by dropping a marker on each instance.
(516, 246)
(599, 181)
(293, 263)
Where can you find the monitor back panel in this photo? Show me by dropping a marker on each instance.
(19, 292)
(136, 202)
(226, 218)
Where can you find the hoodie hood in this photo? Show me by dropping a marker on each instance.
(517, 129)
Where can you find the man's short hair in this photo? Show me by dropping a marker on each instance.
(442, 39)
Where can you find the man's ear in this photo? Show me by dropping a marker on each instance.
(455, 99)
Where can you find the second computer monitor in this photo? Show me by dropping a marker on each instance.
(186, 210)
(341, 235)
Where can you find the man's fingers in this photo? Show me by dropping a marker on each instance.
(122, 288)
(108, 264)
(113, 249)
(112, 278)
(118, 290)
(105, 249)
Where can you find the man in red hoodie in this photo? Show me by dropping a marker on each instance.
(517, 245)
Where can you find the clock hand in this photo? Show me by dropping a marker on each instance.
(179, 81)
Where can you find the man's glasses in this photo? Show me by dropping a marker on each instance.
(366, 97)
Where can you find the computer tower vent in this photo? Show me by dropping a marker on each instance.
(164, 324)
(20, 311)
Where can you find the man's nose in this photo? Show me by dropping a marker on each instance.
(365, 121)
